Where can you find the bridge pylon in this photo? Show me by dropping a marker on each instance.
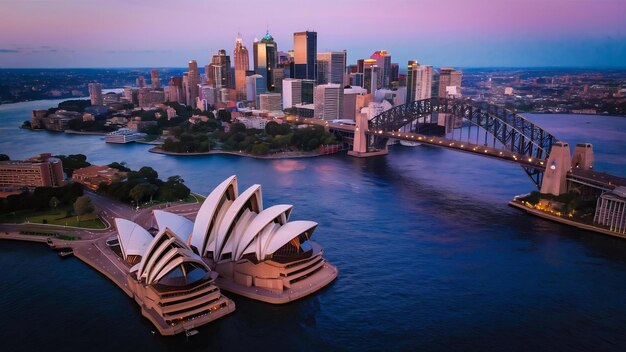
(583, 157)
(559, 164)
(361, 146)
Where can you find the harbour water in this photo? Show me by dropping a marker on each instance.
(430, 256)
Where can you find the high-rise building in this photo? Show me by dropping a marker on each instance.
(356, 79)
(449, 77)
(328, 101)
(308, 86)
(140, 82)
(353, 102)
(395, 73)
(255, 86)
(270, 101)
(383, 61)
(292, 92)
(370, 75)
(419, 81)
(265, 52)
(95, 93)
(331, 67)
(154, 79)
(305, 55)
(174, 90)
(193, 79)
(242, 64)
(219, 70)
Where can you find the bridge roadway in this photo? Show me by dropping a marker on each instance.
(587, 177)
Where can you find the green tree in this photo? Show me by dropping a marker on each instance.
(82, 206)
(224, 115)
(4, 157)
(120, 166)
(142, 191)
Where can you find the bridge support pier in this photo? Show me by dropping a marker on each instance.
(559, 164)
(583, 157)
(360, 148)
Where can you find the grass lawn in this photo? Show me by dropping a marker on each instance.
(192, 198)
(53, 217)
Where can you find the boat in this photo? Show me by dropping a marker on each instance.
(66, 253)
(123, 135)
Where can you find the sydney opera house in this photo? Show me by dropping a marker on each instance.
(257, 252)
(173, 286)
(233, 244)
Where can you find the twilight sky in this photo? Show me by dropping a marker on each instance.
(159, 33)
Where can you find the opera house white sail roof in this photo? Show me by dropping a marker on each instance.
(229, 226)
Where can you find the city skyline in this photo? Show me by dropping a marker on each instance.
(529, 33)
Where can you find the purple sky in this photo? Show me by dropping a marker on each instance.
(157, 33)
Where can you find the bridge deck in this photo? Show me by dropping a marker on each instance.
(590, 177)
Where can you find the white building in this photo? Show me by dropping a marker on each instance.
(328, 101)
(292, 92)
(255, 85)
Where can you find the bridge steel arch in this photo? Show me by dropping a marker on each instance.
(511, 130)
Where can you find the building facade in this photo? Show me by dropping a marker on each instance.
(265, 55)
(39, 171)
(95, 93)
(270, 101)
(383, 61)
(255, 86)
(242, 64)
(328, 101)
(331, 67)
(449, 77)
(611, 210)
(305, 55)
(218, 74)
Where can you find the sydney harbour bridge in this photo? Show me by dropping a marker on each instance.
(479, 128)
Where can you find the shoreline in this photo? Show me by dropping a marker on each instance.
(285, 155)
(564, 221)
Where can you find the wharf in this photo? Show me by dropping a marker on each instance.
(562, 220)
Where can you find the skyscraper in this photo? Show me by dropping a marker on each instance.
(174, 91)
(449, 77)
(140, 81)
(95, 93)
(255, 86)
(419, 81)
(219, 70)
(305, 55)
(242, 64)
(154, 79)
(328, 101)
(193, 79)
(383, 61)
(370, 75)
(331, 67)
(265, 51)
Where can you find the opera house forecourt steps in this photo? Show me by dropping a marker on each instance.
(234, 244)
(257, 252)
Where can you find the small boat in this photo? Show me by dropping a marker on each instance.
(66, 253)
